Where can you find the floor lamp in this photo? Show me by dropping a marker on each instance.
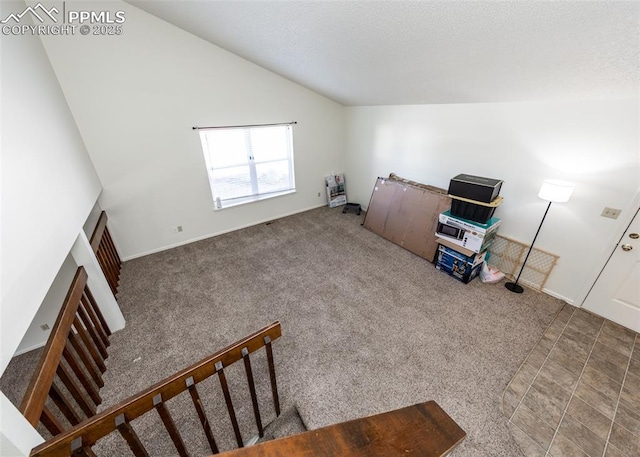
(551, 191)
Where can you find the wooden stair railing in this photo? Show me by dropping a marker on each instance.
(106, 252)
(80, 439)
(79, 337)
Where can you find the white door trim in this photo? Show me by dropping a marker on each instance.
(629, 212)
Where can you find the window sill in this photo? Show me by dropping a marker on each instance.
(252, 199)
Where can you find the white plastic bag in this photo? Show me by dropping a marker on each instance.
(489, 274)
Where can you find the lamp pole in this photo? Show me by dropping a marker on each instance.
(551, 191)
(514, 286)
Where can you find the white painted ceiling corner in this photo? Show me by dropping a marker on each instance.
(429, 52)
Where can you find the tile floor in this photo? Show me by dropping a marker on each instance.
(578, 392)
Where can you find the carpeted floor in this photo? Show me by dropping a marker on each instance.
(367, 327)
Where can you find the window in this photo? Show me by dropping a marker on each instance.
(247, 164)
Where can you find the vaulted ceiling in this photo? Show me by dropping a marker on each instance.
(415, 52)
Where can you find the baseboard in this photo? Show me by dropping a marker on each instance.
(29, 349)
(211, 235)
(558, 296)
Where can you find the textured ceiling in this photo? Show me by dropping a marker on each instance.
(402, 52)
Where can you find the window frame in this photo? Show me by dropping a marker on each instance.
(250, 162)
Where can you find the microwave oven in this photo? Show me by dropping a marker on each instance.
(470, 235)
(450, 231)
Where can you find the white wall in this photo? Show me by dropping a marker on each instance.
(48, 188)
(594, 144)
(92, 220)
(35, 337)
(49, 184)
(135, 98)
(17, 436)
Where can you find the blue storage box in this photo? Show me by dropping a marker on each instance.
(458, 265)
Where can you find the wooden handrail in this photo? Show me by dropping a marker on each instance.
(98, 231)
(424, 430)
(79, 313)
(105, 250)
(120, 415)
(38, 389)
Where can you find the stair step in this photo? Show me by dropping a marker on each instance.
(287, 424)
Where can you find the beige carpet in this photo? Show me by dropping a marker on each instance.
(367, 327)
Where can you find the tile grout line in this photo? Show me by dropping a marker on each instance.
(609, 346)
(545, 360)
(564, 413)
(636, 339)
(615, 411)
(540, 369)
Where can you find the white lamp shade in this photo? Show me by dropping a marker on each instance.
(556, 191)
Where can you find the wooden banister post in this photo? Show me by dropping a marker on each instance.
(120, 416)
(170, 425)
(77, 449)
(130, 436)
(227, 399)
(272, 374)
(252, 390)
(202, 415)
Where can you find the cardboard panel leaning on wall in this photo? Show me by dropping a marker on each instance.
(406, 214)
(136, 97)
